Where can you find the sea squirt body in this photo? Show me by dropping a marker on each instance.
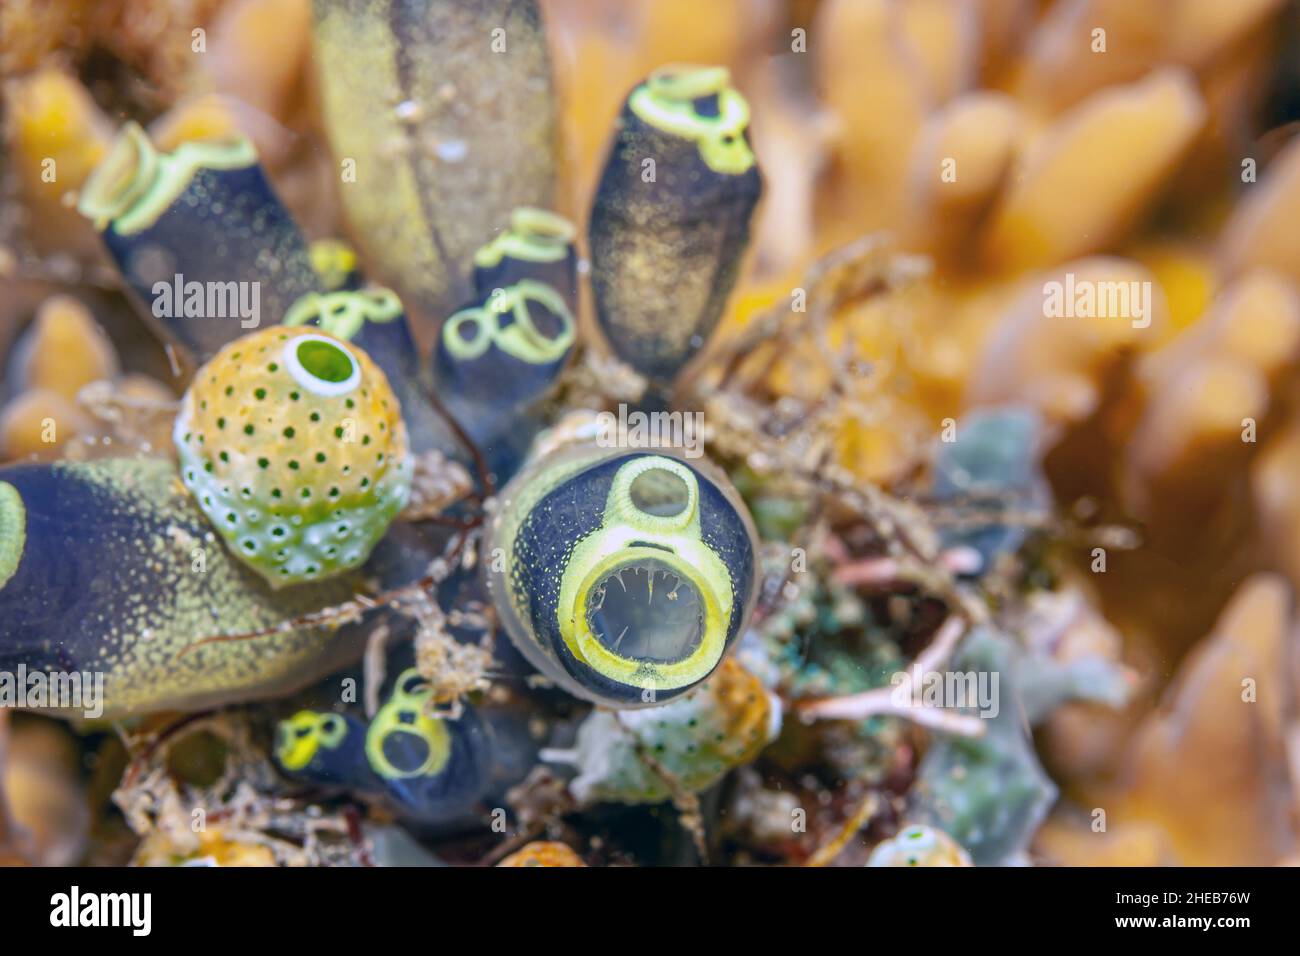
(109, 567)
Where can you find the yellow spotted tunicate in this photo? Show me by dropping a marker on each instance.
(293, 444)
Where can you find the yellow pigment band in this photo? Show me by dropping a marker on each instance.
(344, 314)
(303, 734)
(135, 184)
(332, 260)
(520, 339)
(629, 536)
(13, 531)
(407, 713)
(535, 235)
(667, 101)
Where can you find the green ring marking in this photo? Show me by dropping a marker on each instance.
(627, 535)
(13, 531)
(535, 235)
(521, 339)
(135, 184)
(621, 504)
(432, 730)
(485, 330)
(302, 735)
(344, 314)
(666, 100)
(684, 83)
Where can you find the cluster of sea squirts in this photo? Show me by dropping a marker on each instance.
(627, 576)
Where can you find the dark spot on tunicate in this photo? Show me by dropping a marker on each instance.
(263, 463)
(259, 393)
(289, 432)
